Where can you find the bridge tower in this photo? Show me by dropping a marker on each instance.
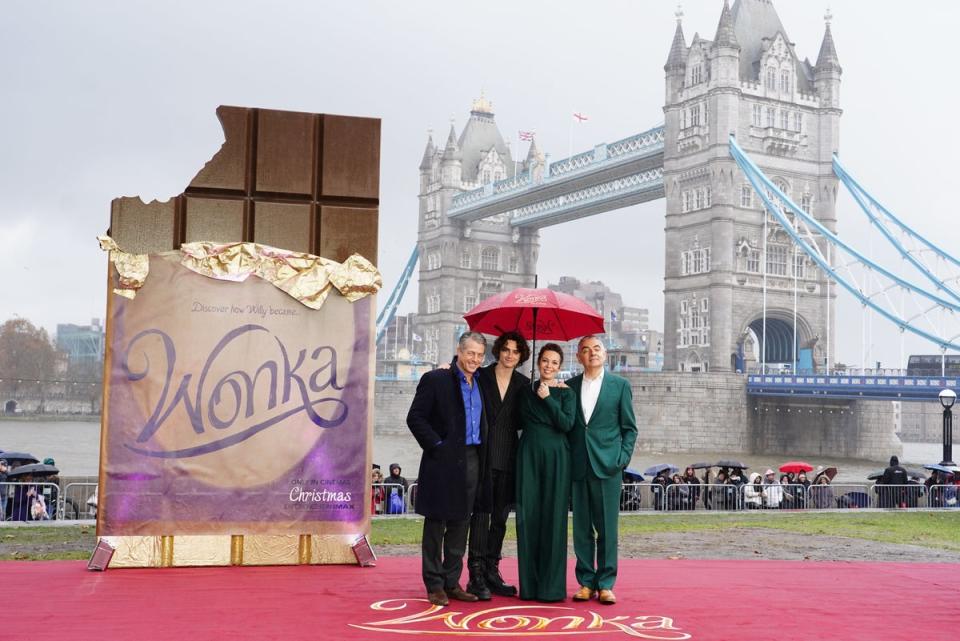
(461, 263)
(748, 81)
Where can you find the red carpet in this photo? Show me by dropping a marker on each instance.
(707, 600)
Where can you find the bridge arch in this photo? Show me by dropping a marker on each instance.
(779, 346)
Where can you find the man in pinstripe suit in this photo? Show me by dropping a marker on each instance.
(501, 385)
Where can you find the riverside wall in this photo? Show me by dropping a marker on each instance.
(711, 412)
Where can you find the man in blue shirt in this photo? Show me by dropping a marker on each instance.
(447, 419)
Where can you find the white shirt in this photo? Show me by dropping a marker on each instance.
(589, 393)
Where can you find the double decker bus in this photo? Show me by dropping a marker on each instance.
(933, 365)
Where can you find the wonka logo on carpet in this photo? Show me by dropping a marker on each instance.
(417, 616)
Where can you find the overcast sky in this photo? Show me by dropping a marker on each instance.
(105, 99)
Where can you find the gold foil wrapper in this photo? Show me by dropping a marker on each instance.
(223, 550)
(271, 549)
(356, 277)
(136, 551)
(201, 550)
(132, 268)
(305, 277)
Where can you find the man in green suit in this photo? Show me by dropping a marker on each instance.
(601, 445)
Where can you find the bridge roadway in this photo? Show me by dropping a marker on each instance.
(860, 387)
(609, 176)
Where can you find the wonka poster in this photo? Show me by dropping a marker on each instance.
(232, 406)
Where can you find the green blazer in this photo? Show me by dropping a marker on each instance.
(605, 443)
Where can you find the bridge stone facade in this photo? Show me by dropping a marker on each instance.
(461, 263)
(750, 83)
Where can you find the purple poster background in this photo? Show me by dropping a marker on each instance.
(232, 408)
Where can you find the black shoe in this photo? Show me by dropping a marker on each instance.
(496, 583)
(478, 587)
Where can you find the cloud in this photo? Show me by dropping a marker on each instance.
(17, 237)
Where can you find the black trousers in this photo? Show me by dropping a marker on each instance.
(487, 530)
(444, 542)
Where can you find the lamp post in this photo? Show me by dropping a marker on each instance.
(947, 398)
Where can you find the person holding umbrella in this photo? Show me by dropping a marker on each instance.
(601, 444)
(543, 481)
(821, 494)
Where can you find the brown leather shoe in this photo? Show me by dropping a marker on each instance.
(583, 594)
(438, 597)
(607, 597)
(459, 594)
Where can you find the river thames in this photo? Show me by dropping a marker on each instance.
(75, 445)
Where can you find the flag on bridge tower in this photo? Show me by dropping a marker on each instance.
(580, 116)
(526, 136)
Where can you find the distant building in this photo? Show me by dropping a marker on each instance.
(83, 344)
(400, 352)
(628, 337)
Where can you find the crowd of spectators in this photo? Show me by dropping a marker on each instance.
(730, 488)
(29, 496)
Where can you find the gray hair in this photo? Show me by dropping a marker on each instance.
(588, 337)
(477, 337)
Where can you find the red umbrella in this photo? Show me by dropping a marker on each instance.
(535, 313)
(796, 466)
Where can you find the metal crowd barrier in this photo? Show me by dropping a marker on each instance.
(79, 502)
(643, 497)
(943, 496)
(29, 501)
(391, 499)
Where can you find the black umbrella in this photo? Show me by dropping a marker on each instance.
(875, 476)
(661, 467)
(736, 464)
(36, 469)
(18, 458)
(632, 476)
(701, 466)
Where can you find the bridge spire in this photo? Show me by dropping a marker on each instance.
(677, 59)
(429, 152)
(828, 59)
(726, 37)
(452, 149)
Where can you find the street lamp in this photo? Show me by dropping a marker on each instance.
(947, 398)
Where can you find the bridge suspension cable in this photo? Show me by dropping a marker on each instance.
(891, 226)
(818, 242)
(389, 311)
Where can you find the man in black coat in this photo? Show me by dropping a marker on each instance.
(502, 386)
(447, 419)
(896, 476)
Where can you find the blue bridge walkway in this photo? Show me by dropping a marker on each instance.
(821, 386)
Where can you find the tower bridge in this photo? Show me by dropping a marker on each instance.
(745, 165)
(733, 286)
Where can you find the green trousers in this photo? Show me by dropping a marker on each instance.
(596, 507)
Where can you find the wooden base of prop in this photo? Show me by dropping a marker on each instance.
(250, 549)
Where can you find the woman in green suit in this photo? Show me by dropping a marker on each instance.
(543, 481)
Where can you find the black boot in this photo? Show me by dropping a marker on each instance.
(478, 584)
(495, 581)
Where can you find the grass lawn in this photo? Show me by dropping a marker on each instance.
(931, 529)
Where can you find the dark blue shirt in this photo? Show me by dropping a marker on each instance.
(472, 406)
